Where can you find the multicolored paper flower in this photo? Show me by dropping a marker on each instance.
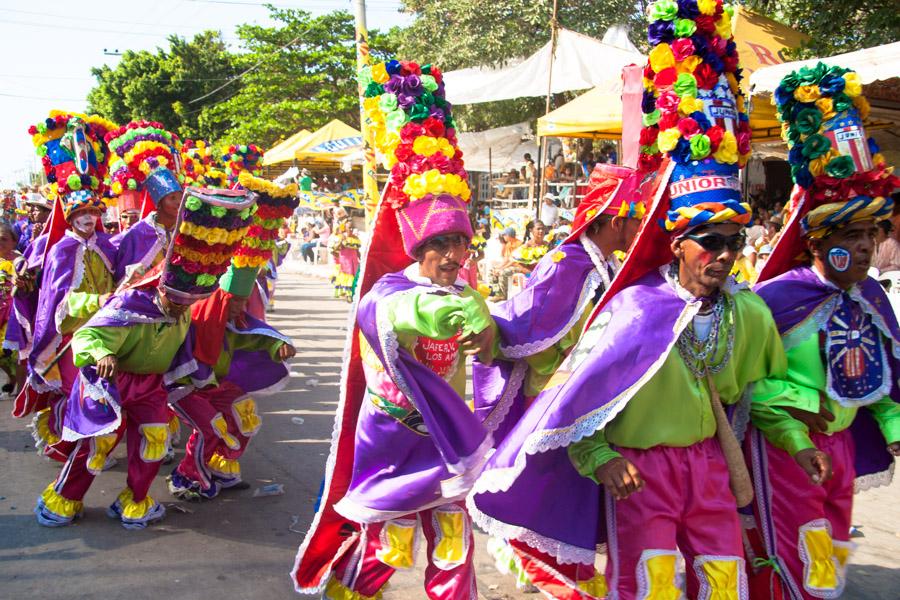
(137, 149)
(274, 204)
(415, 131)
(240, 158)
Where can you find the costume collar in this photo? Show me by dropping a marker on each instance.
(412, 273)
(606, 267)
(90, 242)
(853, 291)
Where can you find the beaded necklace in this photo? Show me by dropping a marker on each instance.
(699, 355)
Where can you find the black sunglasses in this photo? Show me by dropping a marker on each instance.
(442, 243)
(716, 242)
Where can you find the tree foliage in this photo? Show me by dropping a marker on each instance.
(454, 34)
(835, 27)
(303, 75)
(157, 85)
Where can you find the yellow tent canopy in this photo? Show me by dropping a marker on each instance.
(284, 151)
(330, 143)
(598, 113)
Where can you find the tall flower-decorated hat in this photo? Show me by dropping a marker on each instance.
(840, 177)
(146, 159)
(414, 130)
(696, 132)
(195, 159)
(73, 154)
(240, 158)
(613, 190)
(211, 224)
(274, 204)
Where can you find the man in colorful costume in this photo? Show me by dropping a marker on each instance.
(417, 446)
(637, 404)
(143, 167)
(236, 355)
(124, 352)
(830, 425)
(76, 270)
(539, 326)
(39, 208)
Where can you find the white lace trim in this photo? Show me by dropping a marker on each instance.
(271, 333)
(642, 573)
(706, 591)
(356, 512)
(516, 379)
(828, 593)
(180, 371)
(437, 561)
(500, 480)
(97, 393)
(871, 481)
(593, 280)
(562, 552)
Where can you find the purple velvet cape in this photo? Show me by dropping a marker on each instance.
(252, 371)
(555, 297)
(514, 496)
(395, 470)
(94, 406)
(140, 244)
(797, 296)
(20, 328)
(63, 272)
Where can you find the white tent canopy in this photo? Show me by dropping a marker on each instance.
(872, 64)
(581, 62)
(505, 146)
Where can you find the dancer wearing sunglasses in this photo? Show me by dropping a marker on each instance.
(631, 426)
(539, 326)
(409, 446)
(831, 424)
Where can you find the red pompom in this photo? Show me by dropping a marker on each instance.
(706, 76)
(648, 136)
(666, 77)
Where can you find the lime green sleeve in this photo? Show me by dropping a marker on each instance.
(887, 415)
(256, 343)
(799, 388)
(90, 344)
(82, 305)
(591, 453)
(438, 316)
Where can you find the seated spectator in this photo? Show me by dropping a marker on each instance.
(887, 252)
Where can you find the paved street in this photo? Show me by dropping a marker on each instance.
(242, 547)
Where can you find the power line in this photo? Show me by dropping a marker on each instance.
(58, 27)
(44, 98)
(96, 19)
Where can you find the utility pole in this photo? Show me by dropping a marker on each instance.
(370, 183)
(540, 184)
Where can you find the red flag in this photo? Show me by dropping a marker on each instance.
(147, 205)
(55, 229)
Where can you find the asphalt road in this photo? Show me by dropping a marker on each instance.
(242, 547)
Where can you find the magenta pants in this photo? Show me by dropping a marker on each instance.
(144, 412)
(383, 548)
(805, 527)
(217, 428)
(685, 509)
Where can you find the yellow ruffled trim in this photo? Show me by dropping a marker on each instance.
(132, 510)
(42, 428)
(335, 590)
(60, 506)
(258, 184)
(212, 235)
(224, 466)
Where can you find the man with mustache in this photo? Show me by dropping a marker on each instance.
(831, 424)
(416, 444)
(631, 428)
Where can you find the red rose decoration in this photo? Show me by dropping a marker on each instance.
(668, 120)
(666, 77)
(720, 8)
(648, 162)
(715, 134)
(688, 127)
(648, 72)
(32, 130)
(436, 73)
(706, 76)
(705, 24)
(434, 127)
(731, 63)
(648, 136)
(403, 152)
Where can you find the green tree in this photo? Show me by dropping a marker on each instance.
(837, 27)
(454, 34)
(301, 73)
(157, 85)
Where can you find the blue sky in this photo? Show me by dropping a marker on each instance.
(49, 47)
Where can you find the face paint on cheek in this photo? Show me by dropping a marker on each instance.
(84, 222)
(839, 259)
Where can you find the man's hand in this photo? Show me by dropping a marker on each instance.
(479, 343)
(816, 463)
(107, 366)
(23, 282)
(286, 351)
(894, 448)
(620, 477)
(815, 422)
